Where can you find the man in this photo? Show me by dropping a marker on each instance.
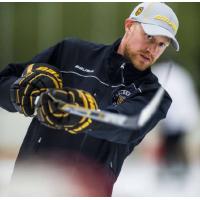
(116, 78)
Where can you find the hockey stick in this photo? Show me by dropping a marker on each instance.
(129, 122)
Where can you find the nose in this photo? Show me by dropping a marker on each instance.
(153, 49)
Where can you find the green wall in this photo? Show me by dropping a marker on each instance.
(28, 28)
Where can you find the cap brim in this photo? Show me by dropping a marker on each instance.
(151, 29)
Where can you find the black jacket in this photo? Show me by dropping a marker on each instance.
(117, 87)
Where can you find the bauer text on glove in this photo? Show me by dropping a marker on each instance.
(35, 79)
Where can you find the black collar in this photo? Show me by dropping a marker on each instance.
(115, 72)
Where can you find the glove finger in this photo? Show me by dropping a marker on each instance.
(39, 82)
(43, 68)
(42, 118)
(18, 85)
(17, 91)
(48, 112)
(87, 101)
(51, 71)
(44, 80)
(62, 95)
(42, 111)
(55, 111)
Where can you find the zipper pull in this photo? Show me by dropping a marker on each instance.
(122, 71)
(39, 140)
(122, 65)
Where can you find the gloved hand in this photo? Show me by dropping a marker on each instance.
(35, 79)
(50, 114)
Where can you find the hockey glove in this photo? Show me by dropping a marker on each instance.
(50, 114)
(35, 79)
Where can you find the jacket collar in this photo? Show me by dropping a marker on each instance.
(120, 69)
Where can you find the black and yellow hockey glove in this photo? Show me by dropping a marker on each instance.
(50, 114)
(35, 79)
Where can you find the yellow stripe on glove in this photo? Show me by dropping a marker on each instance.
(35, 79)
(50, 114)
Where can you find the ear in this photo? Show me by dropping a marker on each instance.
(128, 24)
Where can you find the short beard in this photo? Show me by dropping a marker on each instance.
(128, 55)
(130, 58)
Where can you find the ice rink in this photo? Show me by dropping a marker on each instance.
(141, 174)
(138, 178)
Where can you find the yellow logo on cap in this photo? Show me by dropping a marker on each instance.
(166, 20)
(139, 11)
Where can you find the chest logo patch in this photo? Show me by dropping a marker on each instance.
(120, 96)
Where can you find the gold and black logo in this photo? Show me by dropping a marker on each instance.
(120, 96)
(139, 11)
(120, 100)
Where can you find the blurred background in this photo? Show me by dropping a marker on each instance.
(152, 170)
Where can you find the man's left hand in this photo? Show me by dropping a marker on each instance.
(50, 114)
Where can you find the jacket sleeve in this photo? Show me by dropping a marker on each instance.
(131, 106)
(13, 71)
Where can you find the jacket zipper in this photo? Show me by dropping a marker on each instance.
(122, 72)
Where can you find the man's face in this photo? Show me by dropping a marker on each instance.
(141, 49)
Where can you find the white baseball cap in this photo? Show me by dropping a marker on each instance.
(157, 19)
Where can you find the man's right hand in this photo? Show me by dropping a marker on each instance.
(36, 78)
